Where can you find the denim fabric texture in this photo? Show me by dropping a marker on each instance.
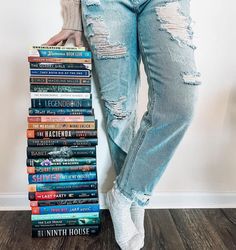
(119, 33)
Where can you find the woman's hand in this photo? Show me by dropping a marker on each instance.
(64, 35)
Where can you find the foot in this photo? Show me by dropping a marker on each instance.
(126, 234)
(137, 215)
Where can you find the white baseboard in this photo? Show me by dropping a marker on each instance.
(163, 200)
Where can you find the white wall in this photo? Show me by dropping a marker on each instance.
(202, 171)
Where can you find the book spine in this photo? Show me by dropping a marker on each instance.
(63, 186)
(61, 111)
(63, 125)
(62, 142)
(60, 161)
(66, 222)
(70, 81)
(67, 73)
(45, 95)
(58, 60)
(58, 195)
(77, 118)
(57, 152)
(61, 103)
(57, 177)
(70, 66)
(57, 48)
(60, 88)
(65, 231)
(64, 216)
(59, 53)
(49, 134)
(66, 209)
(58, 169)
(63, 202)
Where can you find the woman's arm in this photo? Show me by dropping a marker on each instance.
(71, 13)
(72, 24)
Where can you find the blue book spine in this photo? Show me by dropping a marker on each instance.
(43, 72)
(61, 161)
(64, 216)
(60, 111)
(63, 186)
(57, 177)
(60, 53)
(81, 208)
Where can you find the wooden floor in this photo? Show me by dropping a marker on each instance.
(174, 229)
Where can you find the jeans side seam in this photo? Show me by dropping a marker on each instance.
(151, 108)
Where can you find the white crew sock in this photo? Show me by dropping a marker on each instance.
(126, 234)
(137, 215)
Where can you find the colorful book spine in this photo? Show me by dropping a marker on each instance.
(57, 48)
(58, 195)
(83, 168)
(61, 111)
(59, 177)
(64, 216)
(65, 231)
(68, 73)
(63, 186)
(63, 125)
(61, 103)
(59, 88)
(68, 66)
(63, 202)
(67, 134)
(81, 208)
(58, 152)
(61, 143)
(77, 118)
(45, 95)
(59, 53)
(66, 222)
(58, 60)
(60, 161)
(68, 81)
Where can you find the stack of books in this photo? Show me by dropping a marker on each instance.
(62, 139)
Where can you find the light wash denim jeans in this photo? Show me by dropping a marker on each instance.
(119, 33)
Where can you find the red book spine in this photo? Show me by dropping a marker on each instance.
(34, 203)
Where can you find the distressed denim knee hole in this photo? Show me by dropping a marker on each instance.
(174, 22)
(99, 37)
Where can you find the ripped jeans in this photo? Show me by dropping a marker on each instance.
(120, 33)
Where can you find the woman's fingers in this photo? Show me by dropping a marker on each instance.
(65, 35)
(78, 41)
(62, 35)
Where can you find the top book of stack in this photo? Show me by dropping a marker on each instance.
(59, 54)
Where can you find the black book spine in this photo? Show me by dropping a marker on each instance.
(57, 152)
(61, 103)
(62, 142)
(67, 202)
(65, 231)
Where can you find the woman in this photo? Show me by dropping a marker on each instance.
(119, 33)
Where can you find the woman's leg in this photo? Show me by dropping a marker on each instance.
(165, 40)
(110, 28)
